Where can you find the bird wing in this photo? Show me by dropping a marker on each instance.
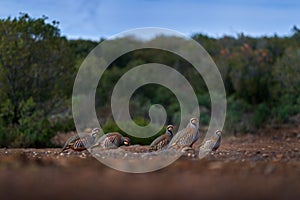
(160, 142)
(80, 144)
(70, 141)
(209, 145)
(112, 141)
(183, 138)
(206, 147)
(109, 140)
(197, 136)
(217, 144)
(177, 136)
(157, 140)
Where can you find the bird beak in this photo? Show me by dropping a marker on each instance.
(126, 143)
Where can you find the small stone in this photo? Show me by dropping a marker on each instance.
(192, 155)
(279, 156)
(265, 155)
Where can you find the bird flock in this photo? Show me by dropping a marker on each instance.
(182, 141)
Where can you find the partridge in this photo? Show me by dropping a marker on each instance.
(212, 144)
(187, 136)
(162, 141)
(77, 143)
(112, 141)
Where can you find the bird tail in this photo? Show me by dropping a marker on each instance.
(151, 149)
(65, 147)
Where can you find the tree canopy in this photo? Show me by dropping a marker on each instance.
(38, 68)
(36, 72)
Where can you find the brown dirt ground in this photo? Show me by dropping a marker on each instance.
(248, 167)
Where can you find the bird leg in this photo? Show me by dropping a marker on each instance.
(189, 151)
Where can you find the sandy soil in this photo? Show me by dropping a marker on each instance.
(248, 167)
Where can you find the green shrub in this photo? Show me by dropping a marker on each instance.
(31, 130)
(287, 106)
(261, 114)
(237, 116)
(204, 118)
(204, 100)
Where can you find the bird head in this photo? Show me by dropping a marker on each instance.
(126, 141)
(169, 130)
(219, 132)
(95, 132)
(170, 127)
(194, 121)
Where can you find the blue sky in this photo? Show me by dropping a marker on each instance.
(92, 19)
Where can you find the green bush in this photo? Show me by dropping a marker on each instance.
(287, 106)
(261, 114)
(237, 116)
(204, 100)
(31, 130)
(204, 118)
(62, 123)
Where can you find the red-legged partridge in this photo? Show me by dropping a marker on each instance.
(112, 141)
(187, 136)
(162, 141)
(78, 143)
(211, 144)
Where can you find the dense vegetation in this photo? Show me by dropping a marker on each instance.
(38, 67)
